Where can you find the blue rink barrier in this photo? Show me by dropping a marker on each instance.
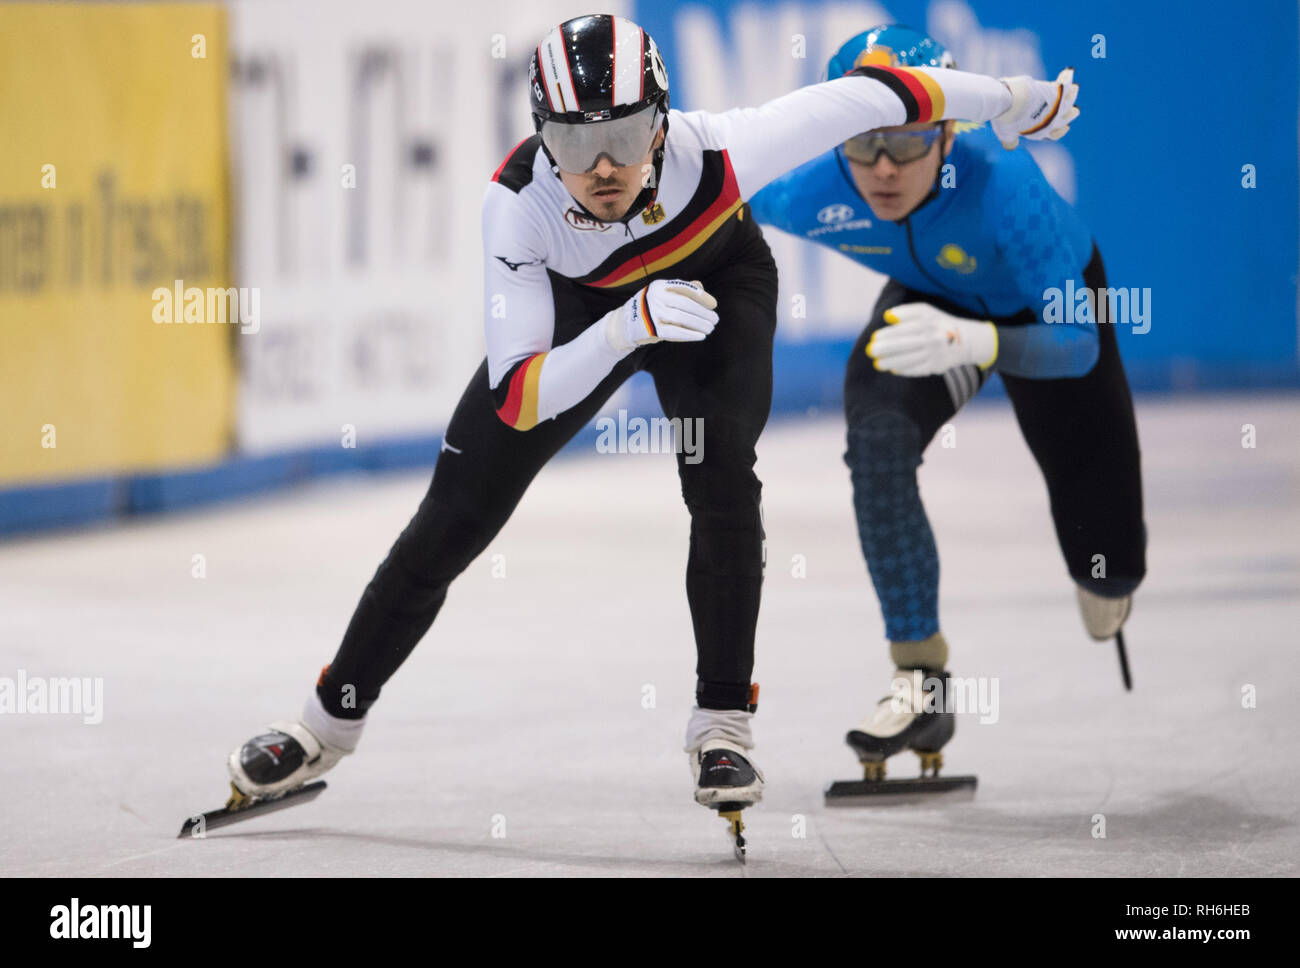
(808, 378)
(74, 504)
(61, 505)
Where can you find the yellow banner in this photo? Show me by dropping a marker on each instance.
(113, 190)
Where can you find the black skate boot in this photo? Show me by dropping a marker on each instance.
(275, 761)
(724, 775)
(726, 781)
(289, 754)
(273, 769)
(917, 715)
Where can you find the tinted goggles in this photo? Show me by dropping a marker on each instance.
(901, 146)
(624, 141)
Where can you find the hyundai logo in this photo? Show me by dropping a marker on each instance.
(835, 213)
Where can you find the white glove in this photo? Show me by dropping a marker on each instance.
(670, 309)
(1039, 109)
(921, 340)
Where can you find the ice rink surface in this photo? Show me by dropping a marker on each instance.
(537, 730)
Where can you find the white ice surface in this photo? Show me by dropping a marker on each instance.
(525, 700)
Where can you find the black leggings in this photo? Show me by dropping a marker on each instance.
(725, 380)
(1081, 431)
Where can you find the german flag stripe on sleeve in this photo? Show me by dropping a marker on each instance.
(519, 409)
(922, 97)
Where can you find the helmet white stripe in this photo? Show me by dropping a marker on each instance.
(629, 64)
(546, 84)
(555, 72)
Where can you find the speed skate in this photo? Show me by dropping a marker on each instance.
(913, 717)
(726, 781)
(272, 770)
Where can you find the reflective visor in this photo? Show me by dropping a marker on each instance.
(625, 141)
(901, 146)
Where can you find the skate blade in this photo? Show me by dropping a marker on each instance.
(854, 793)
(241, 807)
(730, 812)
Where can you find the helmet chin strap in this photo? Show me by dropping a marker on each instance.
(644, 200)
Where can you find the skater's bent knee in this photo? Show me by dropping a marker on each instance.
(883, 443)
(723, 487)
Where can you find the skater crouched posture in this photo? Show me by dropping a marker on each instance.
(969, 262)
(591, 228)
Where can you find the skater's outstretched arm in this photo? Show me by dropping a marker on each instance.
(767, 141)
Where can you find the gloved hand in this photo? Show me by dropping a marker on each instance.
(921, 340)
(666, 309)
(1039, 109)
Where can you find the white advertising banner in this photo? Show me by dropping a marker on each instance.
(363, 138)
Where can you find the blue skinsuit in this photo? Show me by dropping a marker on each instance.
(991, 244)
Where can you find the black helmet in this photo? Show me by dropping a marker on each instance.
(599, 88)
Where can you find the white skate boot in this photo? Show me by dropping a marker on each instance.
(290, 754)
(1102, 617)
(914, 716)
(918, 715)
